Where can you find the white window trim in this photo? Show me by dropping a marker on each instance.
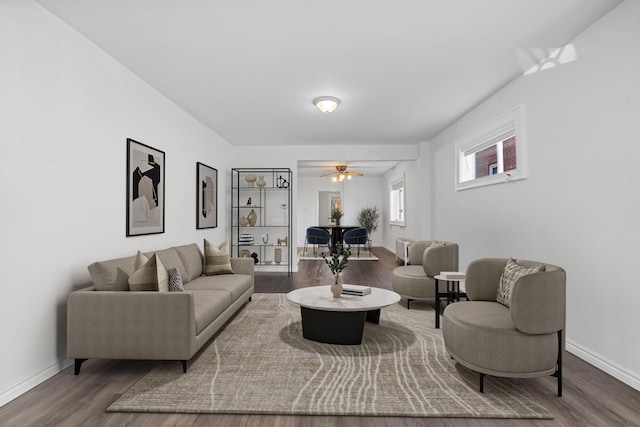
(486, 136)
(393, 183)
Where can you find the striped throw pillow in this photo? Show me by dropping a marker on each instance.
(216, 258)
(151, 276)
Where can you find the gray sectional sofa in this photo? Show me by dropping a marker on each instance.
(119, 324)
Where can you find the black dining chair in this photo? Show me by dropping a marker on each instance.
(316, 237)
(356, 236)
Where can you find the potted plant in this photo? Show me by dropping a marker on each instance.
(336, 215)
(369, 218)
(339, 258)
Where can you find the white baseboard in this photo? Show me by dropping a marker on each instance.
(14, 390)
(604, 364)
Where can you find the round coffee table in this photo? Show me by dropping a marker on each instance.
(339, 320)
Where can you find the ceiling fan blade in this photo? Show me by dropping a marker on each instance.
(327, 174)
(354, 173)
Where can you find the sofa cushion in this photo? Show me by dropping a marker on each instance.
(511, 273)
(216, 258)
(152, 276)
(208, 305)
(106, 277)
(410, 271)
(175, 280)
(171, 259)
(191, 257)
(235, 284)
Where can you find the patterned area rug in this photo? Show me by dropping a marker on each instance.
(260, 364)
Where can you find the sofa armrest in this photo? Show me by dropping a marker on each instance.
(130, 325)
(440, 258)
(483, 277)
(243, 266)
(538, 302)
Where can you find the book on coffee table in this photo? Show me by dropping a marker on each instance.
(452, 275)
(356, 290)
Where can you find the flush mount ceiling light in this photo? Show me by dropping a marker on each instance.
(326, 104)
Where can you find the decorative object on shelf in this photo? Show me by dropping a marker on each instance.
(337, 262)
(251, 179)
(261, 182)
(281, 182)
(255, 258)
(249, 201)
(244, 253)
(265, 238)
(336, 215)
(284, 241)
(252, 217)
(243, 221)
(277, 254)
(207, 196)
(145, 189)
(245, 239)
(268, 261)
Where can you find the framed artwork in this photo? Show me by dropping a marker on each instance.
(145, 189)
(206, 196)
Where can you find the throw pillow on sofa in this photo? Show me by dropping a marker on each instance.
(511, 273)
(216, 258)
(175, 280)
(151, 276)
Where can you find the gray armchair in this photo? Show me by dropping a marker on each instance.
(524, 340)
(426, 260)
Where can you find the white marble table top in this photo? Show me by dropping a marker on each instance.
(320, 298)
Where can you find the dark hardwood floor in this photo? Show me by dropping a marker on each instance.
(591, 397)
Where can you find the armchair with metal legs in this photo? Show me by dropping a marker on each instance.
(316, 237)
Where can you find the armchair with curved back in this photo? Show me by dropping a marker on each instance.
(317, 236)
(426, 260)
(521, 341)
(356, 236)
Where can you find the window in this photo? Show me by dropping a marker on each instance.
(493, 154)
(396, 202)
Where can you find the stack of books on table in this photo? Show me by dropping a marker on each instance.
(452, 275)
(356, 290)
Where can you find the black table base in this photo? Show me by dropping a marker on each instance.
(336, 327)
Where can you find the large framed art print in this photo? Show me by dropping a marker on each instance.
(145, 189)
(206, 196)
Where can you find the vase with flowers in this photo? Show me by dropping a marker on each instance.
(338, 261)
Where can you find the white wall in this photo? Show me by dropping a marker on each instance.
(579, 208)
(66, 109)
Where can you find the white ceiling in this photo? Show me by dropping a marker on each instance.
(404, 70)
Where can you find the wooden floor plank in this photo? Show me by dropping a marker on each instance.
(591, 397)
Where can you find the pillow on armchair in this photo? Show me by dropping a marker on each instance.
(511, 273)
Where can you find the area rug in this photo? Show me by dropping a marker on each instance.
(260, 364)
(364, 256)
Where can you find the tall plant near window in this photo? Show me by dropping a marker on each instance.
(369, 218)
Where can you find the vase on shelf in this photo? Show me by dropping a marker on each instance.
(261, 182)
(336, 286)
(278, 255)
(252, 217)
(251, 179)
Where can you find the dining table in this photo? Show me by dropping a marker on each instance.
(337, 231)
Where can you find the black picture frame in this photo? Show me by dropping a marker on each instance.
(206, 196)
(145, 189)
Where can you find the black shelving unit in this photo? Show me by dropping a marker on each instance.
(263, 234)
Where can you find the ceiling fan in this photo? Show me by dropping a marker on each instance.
(342, 173)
